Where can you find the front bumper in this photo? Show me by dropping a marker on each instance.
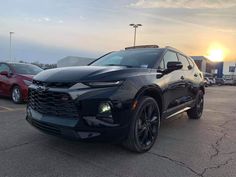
(86, 126)
(72, 128)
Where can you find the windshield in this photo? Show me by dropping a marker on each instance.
(26, 69)
(130, 58)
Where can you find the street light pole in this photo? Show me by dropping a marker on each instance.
(135, 26)
(10, 50)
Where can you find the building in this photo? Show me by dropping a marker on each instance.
(217, 69)
(229, 68)
(229, 71)
(74, 61)
(204, 64)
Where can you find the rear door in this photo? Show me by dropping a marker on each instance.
(187, 79)
(5, 83)
(195, 78)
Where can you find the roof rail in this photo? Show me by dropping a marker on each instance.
(172, 48)
(169, 47)
(142, 46)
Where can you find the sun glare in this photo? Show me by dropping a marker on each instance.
(216, 55)
(217, 52)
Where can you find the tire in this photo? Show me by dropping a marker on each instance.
(144, 127)
(196, 111)
(16, 95)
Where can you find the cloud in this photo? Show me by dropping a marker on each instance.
(43, 20)
(46, 19)
(82, 17)
(188, 4)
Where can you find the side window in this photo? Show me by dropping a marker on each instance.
(4, 67)
(170, 56)
(184, 61)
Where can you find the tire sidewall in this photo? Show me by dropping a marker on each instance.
(200, 95)
(135, 118)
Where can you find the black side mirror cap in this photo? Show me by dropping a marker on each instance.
(174, 65)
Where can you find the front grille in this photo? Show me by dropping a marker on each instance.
(52, 103)
(54, 84)
(45, 127)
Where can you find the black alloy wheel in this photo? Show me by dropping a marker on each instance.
(145, 126)
(197, 110)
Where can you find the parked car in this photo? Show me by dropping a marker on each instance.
(207, 82)
(15, 79)
(220, 81)
(229, 81)
(120, 97)
(212, 80)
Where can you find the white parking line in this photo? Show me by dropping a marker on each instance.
(7, 109)
(3, 107)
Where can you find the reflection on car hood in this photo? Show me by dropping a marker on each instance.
(87, 73)
(27, 76)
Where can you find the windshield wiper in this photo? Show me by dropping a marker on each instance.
(128, 66)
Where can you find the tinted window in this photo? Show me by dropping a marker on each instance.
(26, 69)
(130, 58)
(170, 56)
(184, 61)
(4, 67)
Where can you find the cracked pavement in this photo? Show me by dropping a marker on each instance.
(185, 148)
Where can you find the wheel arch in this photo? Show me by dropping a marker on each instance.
(151, 91)
(202, 88)
(13, 85)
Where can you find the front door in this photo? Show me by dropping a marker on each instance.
(175, 86)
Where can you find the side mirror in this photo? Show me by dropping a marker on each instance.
(174, 65)
(4, 73)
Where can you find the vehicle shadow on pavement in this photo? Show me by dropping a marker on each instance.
(102, 148)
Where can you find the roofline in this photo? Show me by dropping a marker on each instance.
(176, 50)
(142, 47)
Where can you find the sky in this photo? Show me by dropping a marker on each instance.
(48, 30)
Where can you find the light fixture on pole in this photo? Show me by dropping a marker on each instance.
(135, 26)
(10, 50)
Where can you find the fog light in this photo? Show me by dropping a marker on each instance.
(104, 108)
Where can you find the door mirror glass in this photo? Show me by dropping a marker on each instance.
(174, 65)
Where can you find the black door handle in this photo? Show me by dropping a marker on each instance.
(182, 78)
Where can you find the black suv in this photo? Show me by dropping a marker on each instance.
(122, 96)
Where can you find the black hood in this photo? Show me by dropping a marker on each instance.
(88, 73)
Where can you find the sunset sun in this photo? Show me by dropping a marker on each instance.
(217, 52)
(216, 55)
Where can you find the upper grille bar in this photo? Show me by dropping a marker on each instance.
(54, 84)
(52, 103)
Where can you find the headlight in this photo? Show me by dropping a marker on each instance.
(27, 82)
(104, 84)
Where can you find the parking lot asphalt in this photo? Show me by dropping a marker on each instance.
(185, 148)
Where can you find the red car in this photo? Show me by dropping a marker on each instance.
(15, 79)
